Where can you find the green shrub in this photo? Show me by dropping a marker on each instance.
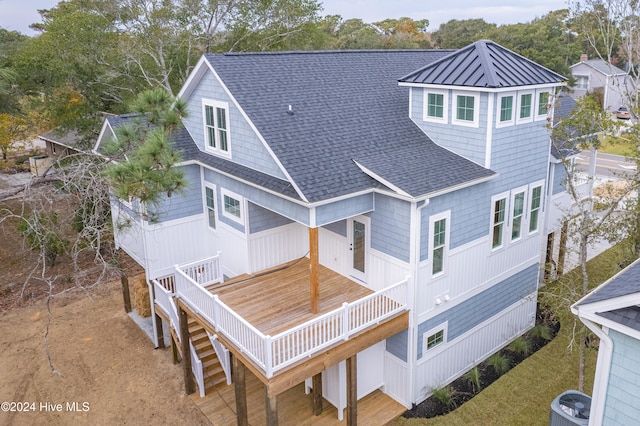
(445, 395)
(499, 363)
(519, 346)
(541, 331)
(473, 379)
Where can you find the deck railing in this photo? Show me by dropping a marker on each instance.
(196, 368)
(204, 272)
(275, 353)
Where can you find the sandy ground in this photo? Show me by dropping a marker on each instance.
(111, 371)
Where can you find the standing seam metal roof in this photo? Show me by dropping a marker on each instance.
(484, 64)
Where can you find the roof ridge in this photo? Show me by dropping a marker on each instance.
(340, 51)
(490, 70)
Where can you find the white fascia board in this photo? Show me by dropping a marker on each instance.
(460, 186)
(104, 128)
(192, 82)
(483, 89)
(605, 322)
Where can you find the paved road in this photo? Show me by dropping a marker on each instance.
(607, 165)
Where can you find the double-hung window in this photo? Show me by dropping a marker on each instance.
(517, 214)
(526, 103)
(534, 212)
(439, 242)
(506, 109)
(210, 203)
(216, 126)
(543, 104)
(499, 210)
(435, 106)
(466, 111)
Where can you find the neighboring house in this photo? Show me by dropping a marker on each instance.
(612, 312)
(596, 74)
(559, 201)
(60, 143)
(412, 184)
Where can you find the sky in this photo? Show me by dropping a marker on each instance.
(18, 14)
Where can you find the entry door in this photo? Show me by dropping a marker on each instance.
(359, 237)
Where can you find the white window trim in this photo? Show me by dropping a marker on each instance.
(543, 116)
(432, 220)
(533, 185)
(445, 106)
(514, 104)
(233, 195)
(444, 327)
(524, 224)
(206, 207)
(533, 107)
(208, 148)
(587, 76)
(476, 109)
(506, 229)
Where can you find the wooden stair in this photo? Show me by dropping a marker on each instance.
(213, 373)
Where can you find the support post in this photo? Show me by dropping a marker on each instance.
(189, 385)
(314, 270)
(271, 404)
(316, 394)
(352, 391)
(125, 293)
(159, 331)
(174, 350)
(548, 260)
(239, 385)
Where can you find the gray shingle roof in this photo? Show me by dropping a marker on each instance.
(484, 64)
(623, 284)
(602, 67)
(563, 108)
(626, 316)
(183, 142)
(347, 106)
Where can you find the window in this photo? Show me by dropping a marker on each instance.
(506, 108)
(525, 106)
(439, 238)
(534, 215)
(232, 206)
(216, 126)
(435, 106)
(582, 82)
(518, 210)
(210, 197)
(467, 109)
(543, 102)
(435, 339)
(499, 207)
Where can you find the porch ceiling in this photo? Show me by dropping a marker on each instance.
(278, 299)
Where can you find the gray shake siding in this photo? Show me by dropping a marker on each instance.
(261, 219)
(559, 178)
(623, 402)
(248, 151)
(390, 227)
(349, 207)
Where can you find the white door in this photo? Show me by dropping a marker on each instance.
(359, 243)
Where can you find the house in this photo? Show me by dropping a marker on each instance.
(359, 220)
(612, 313)
(594, 75)
(60, 143)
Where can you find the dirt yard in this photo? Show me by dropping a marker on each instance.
(110, 372)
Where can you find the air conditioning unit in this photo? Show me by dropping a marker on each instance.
(570, 408)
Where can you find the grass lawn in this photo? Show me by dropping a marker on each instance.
(620, 147)
(523, 396)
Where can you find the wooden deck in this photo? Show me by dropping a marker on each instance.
(294, 407)
(277, 300)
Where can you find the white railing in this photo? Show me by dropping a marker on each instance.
(167, 282)
(204, 272)
(277, 352)
(173, 318)
(162, 296)
(223, 355)
(196, 367)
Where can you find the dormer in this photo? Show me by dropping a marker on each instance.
(467, 98)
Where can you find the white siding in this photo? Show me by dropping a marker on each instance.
(477, 344)
(278, 245)
(396, 379)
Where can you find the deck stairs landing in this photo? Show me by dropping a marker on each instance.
(214, 375)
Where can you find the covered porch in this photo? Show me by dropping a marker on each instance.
(267, 323)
